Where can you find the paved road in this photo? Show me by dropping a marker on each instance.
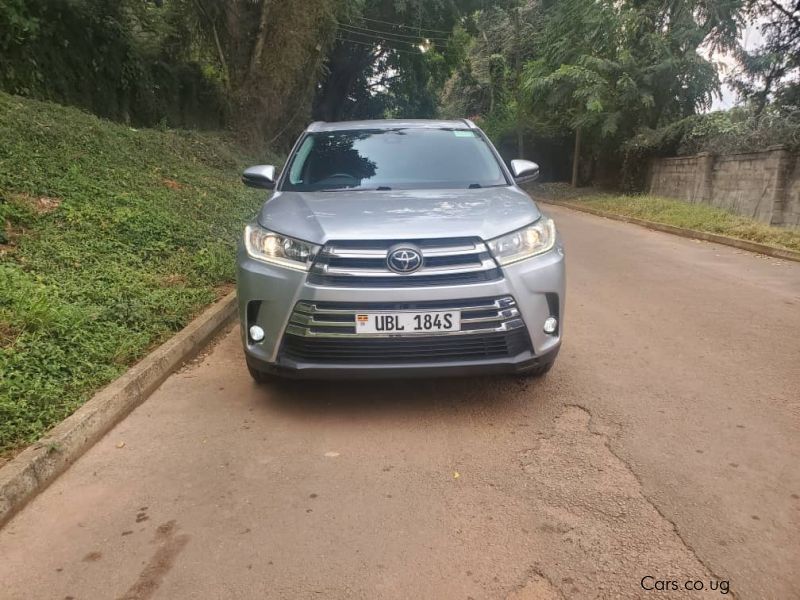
(664, 444)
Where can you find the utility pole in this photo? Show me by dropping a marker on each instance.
(518, 82)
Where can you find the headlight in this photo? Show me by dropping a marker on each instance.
(279, 249)
(524, 243)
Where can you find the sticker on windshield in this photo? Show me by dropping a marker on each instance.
(462, 133)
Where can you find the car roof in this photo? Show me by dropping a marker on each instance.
(392, 124)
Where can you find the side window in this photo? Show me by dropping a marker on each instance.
(296, 173)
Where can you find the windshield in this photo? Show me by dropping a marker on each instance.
(405, 159)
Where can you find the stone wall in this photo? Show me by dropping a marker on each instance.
(762, 185)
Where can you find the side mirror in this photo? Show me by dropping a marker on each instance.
(260, 176)
(524, 170)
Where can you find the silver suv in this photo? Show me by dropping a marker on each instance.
(398, 248)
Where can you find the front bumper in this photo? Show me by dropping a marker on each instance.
(537, 285)
(296, 370)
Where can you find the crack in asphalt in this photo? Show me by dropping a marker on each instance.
(592, 427)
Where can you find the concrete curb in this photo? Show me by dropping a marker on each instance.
(37, 466)
(687, 233)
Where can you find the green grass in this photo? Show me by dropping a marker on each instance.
(111, 239)
(700, 217)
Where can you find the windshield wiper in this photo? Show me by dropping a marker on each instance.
(474, 186)
(381, 188)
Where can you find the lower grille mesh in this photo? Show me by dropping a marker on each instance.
(406, 350)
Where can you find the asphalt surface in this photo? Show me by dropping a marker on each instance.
(664, 444)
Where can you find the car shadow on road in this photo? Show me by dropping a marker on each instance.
(461, 397)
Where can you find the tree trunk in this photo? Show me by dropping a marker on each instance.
(226, 74)
(344, 67)
(261, 34)
(576, 158)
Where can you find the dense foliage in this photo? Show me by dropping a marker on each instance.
(567, 81)
(743, 129)
(191, 63)
(596, 71)
(112, 238)
(390, 58)
(106, 56)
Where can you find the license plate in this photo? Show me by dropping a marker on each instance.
(408, 323)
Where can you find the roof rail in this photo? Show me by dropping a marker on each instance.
(470, 124)
(315, 125)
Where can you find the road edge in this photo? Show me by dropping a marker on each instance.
(680, 231)
(40, 464)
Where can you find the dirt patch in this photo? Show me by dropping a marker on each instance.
(41, 205)
(175, 280)
(8, 334)
(172, 184)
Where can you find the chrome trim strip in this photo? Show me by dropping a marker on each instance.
(312, 308)
(486, 265)
(310, 321)
(454, 250)
(339, 251)
(507, 326)
(334, 252)
(502, 314)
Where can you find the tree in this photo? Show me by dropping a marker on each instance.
(494, 43)
(585, 79)
(607, 68)
(268, 54)
(390, 58)
(772, 72)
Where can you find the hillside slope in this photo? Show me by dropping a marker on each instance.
(112, 238)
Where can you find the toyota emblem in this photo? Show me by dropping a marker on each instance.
(404, 259)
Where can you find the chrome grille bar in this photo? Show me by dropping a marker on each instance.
(337, 320)
(484, 265)
(331, 308)
(336, 252)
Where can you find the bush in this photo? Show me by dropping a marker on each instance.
(721, 132)
(86, 53)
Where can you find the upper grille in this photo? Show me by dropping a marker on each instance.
(362, 263)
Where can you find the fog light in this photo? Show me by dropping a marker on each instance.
(256, 333)
(550, 325)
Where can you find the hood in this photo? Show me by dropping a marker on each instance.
(318, 217)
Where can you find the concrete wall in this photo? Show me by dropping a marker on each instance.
(762, 185)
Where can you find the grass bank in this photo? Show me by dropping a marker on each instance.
(111, 239)
(700, 217)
